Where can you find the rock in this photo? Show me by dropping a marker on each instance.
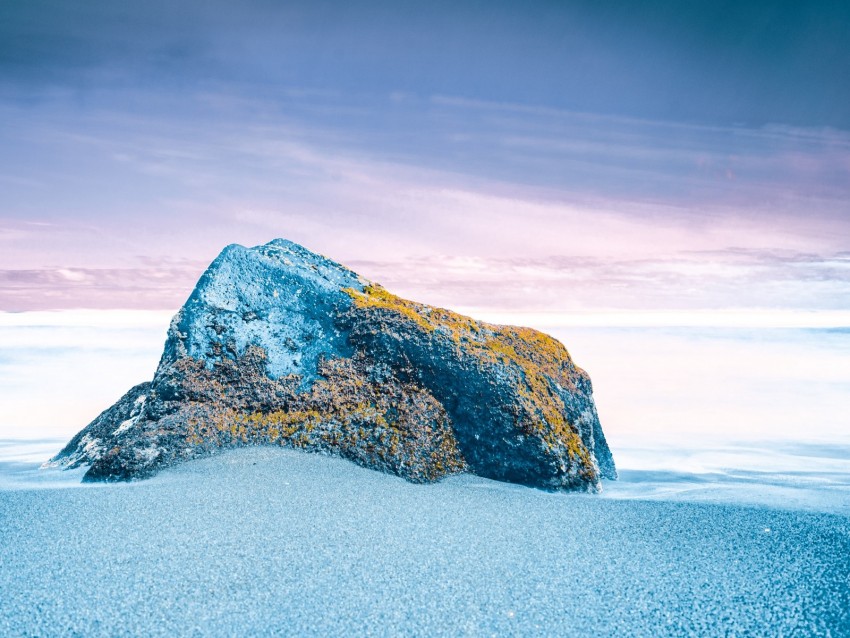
(90, 443)
(280, 346)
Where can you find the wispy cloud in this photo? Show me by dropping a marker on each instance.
(455, 202)
(60, 288)
(564, 284)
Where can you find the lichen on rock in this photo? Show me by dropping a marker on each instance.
(280, 346)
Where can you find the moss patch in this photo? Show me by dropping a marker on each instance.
(377, 421)
(541, 363)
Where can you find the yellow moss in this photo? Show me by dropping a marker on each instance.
(541, 359)
(375, 296)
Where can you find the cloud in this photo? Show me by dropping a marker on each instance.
(156, 287)
(736, 63)
(587, 209)
(565, 284)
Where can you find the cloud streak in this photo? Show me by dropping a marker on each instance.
(543, 207)
(61, 288)
(799, 282)
(566, 284)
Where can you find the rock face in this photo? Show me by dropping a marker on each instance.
(278, 345)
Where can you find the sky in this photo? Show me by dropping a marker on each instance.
(667, 155)
(656, 183)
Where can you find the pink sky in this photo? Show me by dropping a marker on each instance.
(558, 210)
(556, 156)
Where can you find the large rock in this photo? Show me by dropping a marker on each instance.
(278, 345)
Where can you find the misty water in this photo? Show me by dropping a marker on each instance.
(737, 415)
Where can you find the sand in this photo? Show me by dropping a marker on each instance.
(268, 542)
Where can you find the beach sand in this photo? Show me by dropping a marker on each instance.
(268, 542)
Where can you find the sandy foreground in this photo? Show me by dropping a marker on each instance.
(267, 542)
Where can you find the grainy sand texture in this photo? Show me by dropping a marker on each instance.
(270, 542)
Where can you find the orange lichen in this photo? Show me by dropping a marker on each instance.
(540, 360)
(395, 426)
(376, 297)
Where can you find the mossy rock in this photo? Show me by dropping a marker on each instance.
(280, 346)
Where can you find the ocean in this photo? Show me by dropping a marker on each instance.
(731, 413)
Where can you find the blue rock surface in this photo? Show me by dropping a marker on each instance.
(280, 297)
